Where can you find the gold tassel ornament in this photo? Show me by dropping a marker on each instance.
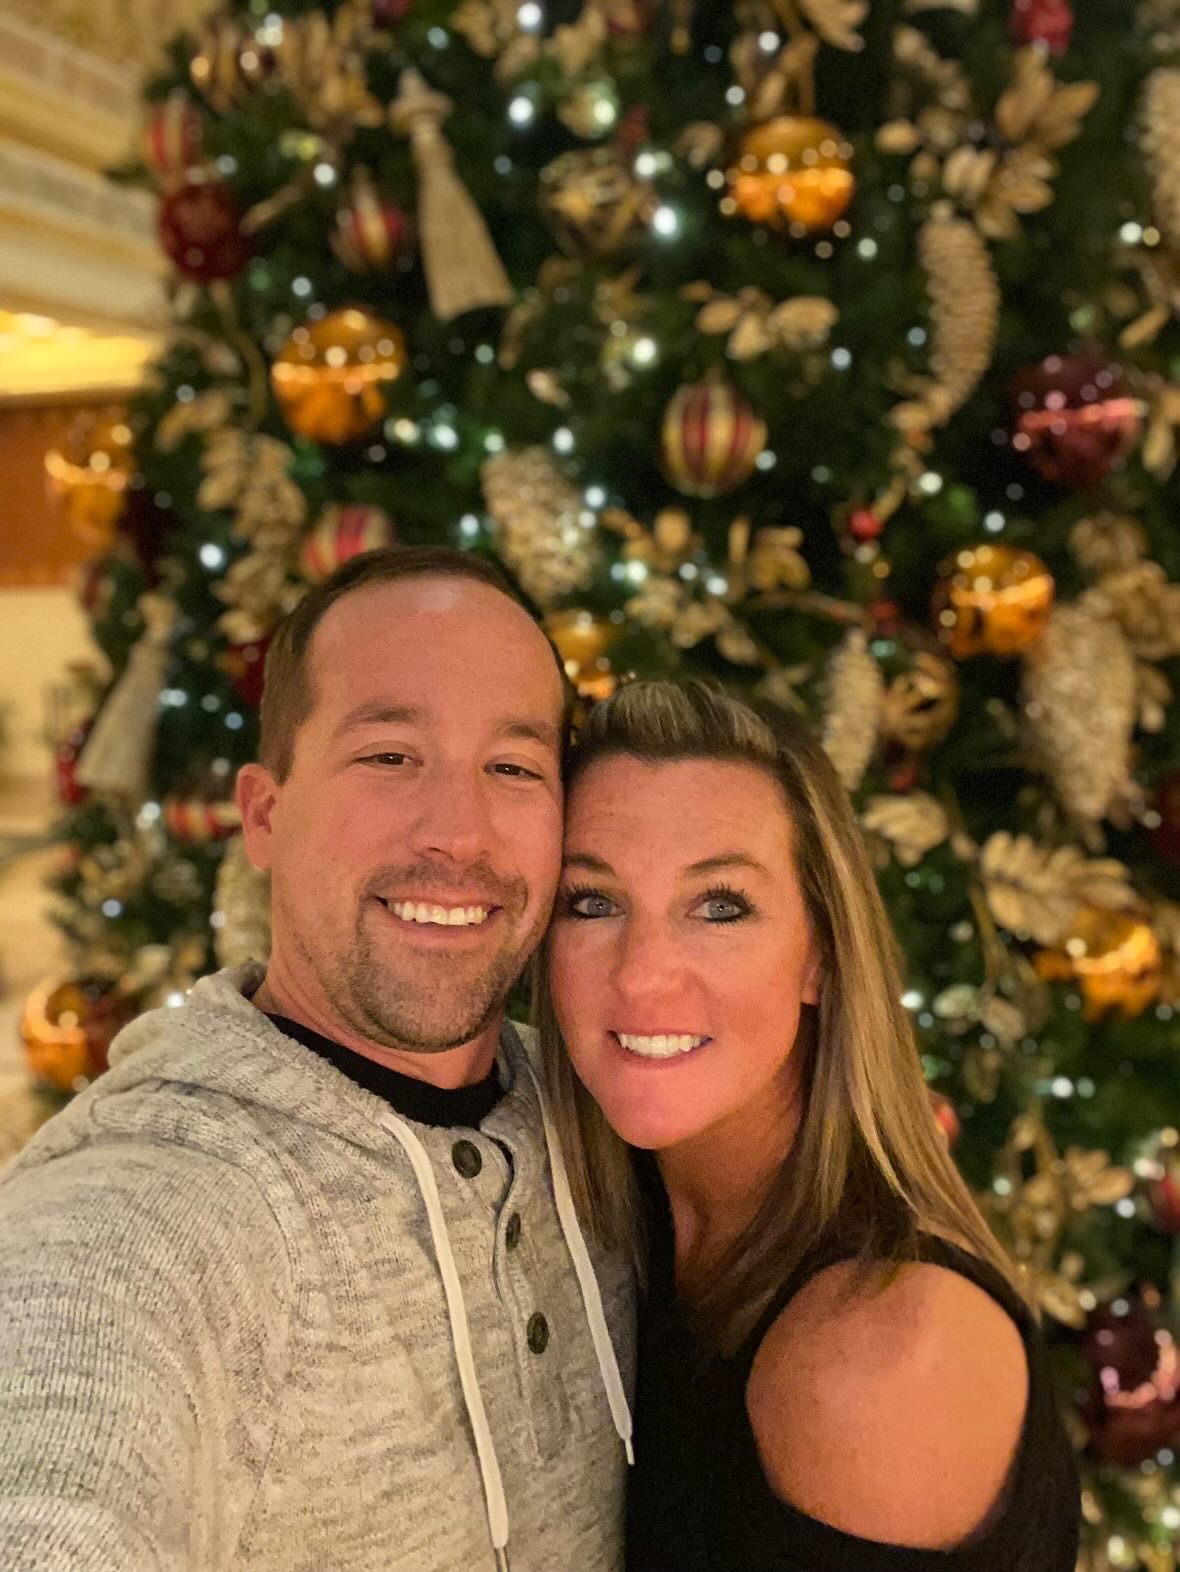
(118, 753)
(463, 272)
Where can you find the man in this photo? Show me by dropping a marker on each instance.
(287, 1289)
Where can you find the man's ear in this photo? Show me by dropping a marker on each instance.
(257, 794)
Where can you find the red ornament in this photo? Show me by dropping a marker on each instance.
(1165, 838)
(1133, 1408)
(864, 525)
(887, 616)
(245, 665)
(1164, 1195)
(70, 791)
(200, 229)
(627, 18)
(371, 232)
(388, 13)
(196, 820)
(906, 775)
(1048, 22)
(172, 133)
(946, 1118)
(634, 129)
(712, 437)
(341, 533)
(1074, 419)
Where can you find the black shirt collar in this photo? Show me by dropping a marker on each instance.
(464, 1106)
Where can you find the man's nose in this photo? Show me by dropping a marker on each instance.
(452, 819)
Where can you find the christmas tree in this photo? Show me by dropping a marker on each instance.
(821, 347)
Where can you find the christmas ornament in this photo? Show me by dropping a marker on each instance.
(1080, 692)
(595, 203)
(244, 663)
(70, 791)
(1164, 1194)
(964, 318)
(241, 897)
(864, 525)
(1048, 22)
(171, 141)
(195, 818)
(1113, 957)
(946, 1118)
(229, 64)
(793, 172)
(463, 272)
(544, 531)
(1161, 148)
(1074, 419)
(340, 533)
(1133, 1409)
(852, 708)
(992, 600)
(371, 231)
(200, 229)
(1165, 836)
(921, 699)
(118, 752)
(583, 640)
(67, 1028)
(387, 14)
(332, 377)
(711, 438)
(88, 475)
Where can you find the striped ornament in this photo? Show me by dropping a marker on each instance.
(343, 532)
(171, 142)
(229, 63)
(198, 820)
(371, 233)
(712, 437)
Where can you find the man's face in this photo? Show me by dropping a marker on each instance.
(414, 847)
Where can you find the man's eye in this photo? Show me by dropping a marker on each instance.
(385, 758)
(517, 772)
(588, 903)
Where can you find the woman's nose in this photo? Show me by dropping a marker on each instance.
(647, 961)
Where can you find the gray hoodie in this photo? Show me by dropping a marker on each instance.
(252, 1318)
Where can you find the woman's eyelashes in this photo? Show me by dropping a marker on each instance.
(721, 904)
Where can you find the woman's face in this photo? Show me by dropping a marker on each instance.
(680, 951)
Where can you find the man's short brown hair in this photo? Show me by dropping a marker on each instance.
(288, 694)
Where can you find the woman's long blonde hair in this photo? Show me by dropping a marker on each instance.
(869, 1166)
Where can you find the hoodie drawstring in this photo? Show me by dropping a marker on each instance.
(608, 1364)
(489, 1464)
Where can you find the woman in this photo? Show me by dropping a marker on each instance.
(836, 1368)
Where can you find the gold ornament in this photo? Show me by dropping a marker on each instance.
(1080, 695)
(992, 600)
(921, 702)
(582, 640)
(853, 709)
(794, 171)
(595, 203)
(117, 755)
(544, 531)
(67, 1028)
(711, 438)
(88, 474)
(332, 376)
(1160, 139)
(242, 896)
(1115, 959)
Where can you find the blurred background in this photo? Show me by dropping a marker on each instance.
(826, 348)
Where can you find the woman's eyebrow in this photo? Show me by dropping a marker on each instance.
(587, 862)
(728, 859)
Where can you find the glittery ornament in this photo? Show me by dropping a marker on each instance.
(793, 171)
(332, 377)
(89, 474)
(244, 663)
(711, 438)
(197, 817)
(341, 533)
(1113, 957)
(371, 232)
(200, 229)
(921, 699)
(1164, 1193)
(1048, 22)
(1080, 696)
(582, 640)
(229, 63)
(946, 1118)
(1133, 1409)
(864, 525)
(67, 1028)
(543, 529)
(992, 600)
(595, 203)
(241, 898)
(852, 711)
(1074, 419)
(171, 141)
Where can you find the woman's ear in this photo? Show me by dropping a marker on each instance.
(812, 976)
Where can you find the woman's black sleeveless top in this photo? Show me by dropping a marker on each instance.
(698, 1500)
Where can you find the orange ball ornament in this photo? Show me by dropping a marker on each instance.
(794, 171)
(332, 377)
(1113, 957)
(88, 475)
(67, 1028)
(711, 438)
(583, 640)
(992, 600)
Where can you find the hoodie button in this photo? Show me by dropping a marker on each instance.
(538, 1333)
(466, 1158)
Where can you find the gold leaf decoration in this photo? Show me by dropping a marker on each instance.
(1145, 605)
(249, 476)
(206, 411)
(1035, 891)
(1107, 543)
(837, 21)
(913, 824)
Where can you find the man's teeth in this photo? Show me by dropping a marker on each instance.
(662, 1047)
(440, 916)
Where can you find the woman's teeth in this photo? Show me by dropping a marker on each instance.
(662, 1047)
(441, 916)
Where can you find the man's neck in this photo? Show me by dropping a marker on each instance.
(448, 1068)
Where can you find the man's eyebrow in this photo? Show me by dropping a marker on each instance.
(548, 735)
(379, 714)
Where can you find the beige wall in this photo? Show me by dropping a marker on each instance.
(41, 632)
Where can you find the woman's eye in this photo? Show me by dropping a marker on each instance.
(588, 903)
(723, 908)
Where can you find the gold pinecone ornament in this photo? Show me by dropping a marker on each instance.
(1161, 147)
(543, 529)
(1080, 696)
(852, 714)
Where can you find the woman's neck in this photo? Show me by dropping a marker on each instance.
(717, 1180)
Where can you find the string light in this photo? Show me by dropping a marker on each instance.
(644, 351)
(234, 721)
(563, 440)
(841, 359)
(994, 522)
(666, 221)
(530, 16)
(469, 526)
(212, 556)
(521, 111)
(438, 38)
(324, 175)
(112, 908)
(595, 496)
